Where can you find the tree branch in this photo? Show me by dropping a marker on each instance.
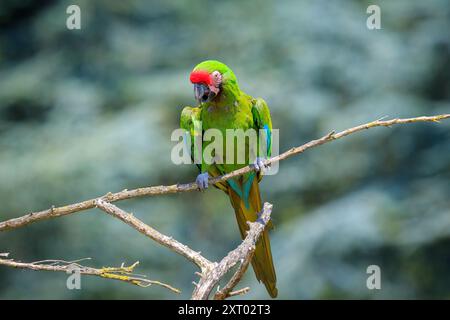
(121, 273)
(226, 291)
(203, 263)
(243, 254)
(209, 277)
(211, 273)
(177, 188)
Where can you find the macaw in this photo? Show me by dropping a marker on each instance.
(222, 105)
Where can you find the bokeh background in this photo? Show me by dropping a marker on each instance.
(85, 112)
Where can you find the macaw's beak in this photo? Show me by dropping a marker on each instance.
(202, 93)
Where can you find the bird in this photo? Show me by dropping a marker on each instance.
(222, 105)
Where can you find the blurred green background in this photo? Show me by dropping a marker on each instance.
(84, 112)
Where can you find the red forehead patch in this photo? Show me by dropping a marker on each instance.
(200, 77)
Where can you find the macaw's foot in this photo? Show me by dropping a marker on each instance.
(202, 180)
(258, 218)
(261, 220)
(260, 166)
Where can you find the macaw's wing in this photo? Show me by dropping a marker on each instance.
(262, 121)
(190, 121)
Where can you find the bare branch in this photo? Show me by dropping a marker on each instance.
(243, 253)
(121, 273)
(177, 188)
(203, 263)
(211, 273)
(226, 291)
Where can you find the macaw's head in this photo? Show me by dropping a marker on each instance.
(213, 81)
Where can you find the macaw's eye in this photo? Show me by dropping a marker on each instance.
(216, 78)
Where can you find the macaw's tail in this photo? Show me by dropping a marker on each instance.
(262, 259)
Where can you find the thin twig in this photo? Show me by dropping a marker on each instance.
(239, 292)
(53, 261)
(177, 188)
(122, 273)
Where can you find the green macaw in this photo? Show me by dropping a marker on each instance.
(222, 105)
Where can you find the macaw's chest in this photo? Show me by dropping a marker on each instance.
(226, 117)
(224, 135)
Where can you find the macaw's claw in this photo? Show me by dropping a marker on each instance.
(202, 180)
(260, 166)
